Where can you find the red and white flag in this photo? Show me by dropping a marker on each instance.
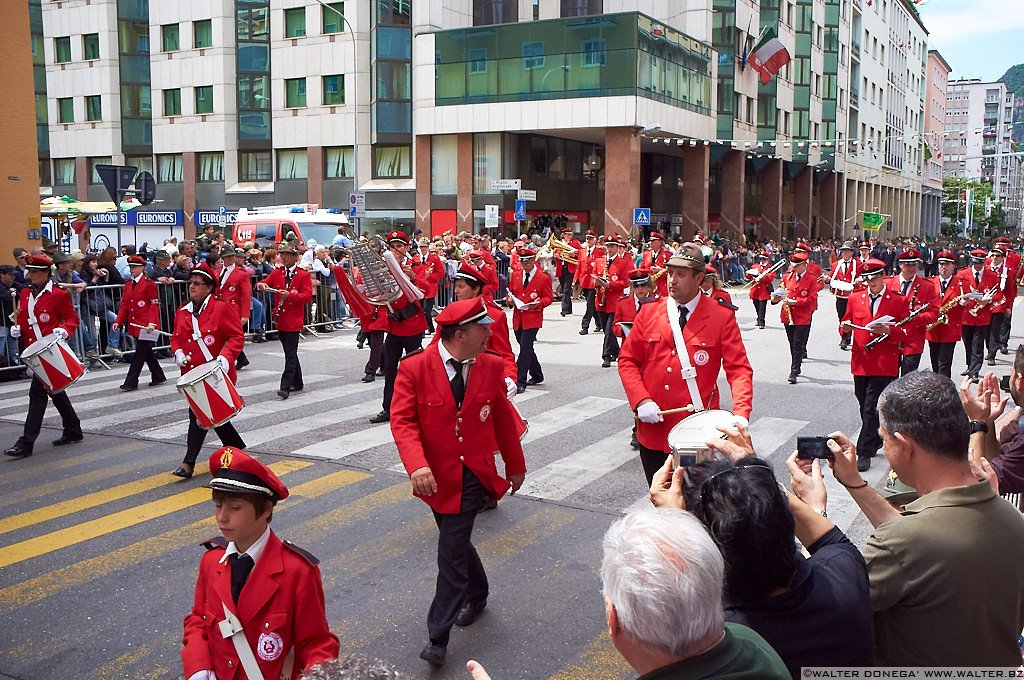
(769, 56)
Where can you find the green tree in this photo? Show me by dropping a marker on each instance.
(1014, 79)
(955, 208)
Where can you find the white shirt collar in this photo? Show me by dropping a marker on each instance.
(254, 551)
(446, 355)
(137, 278)
(691, 306)
(227, 270)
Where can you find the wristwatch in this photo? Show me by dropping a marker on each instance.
(978, 426)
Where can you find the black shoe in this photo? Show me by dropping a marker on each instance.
(183, 472)
(293, 388)
(805, 354)
(792, 378)
(434, 654)
(19, 450)
(241, 363)
(535, 381)
(283, 394)
(368, 378)
(488, 504)
(863, 463)
(562, 313)
(965, 373)
(260, 337)
(634, 443)
(1004, 350)
(158, 381)
(470, 611)
(380, 372)
(359, 345)
(584, 332)
(607, 363)
(381, 417)
(68, 439)
(128, 388)
(520, 389)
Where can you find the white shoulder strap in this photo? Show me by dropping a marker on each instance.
(231, 627)
(689, 373)
(197, 335)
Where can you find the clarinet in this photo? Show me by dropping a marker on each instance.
(280, 299)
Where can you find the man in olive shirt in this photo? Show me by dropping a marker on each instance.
(945, 576)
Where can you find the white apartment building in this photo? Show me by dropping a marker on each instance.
(934, 129)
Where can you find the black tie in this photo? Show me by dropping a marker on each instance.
(977, 277)
(288, 278)
(458, 382)
(906, 287)
(874, 303)
(526, 280)
(241, 567)
(945, 285)
(683, 313)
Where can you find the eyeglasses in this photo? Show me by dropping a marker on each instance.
(733, 470)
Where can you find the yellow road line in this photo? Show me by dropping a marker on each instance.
(70, 482)
(92, 500)
(116, 668)
(599, 661)
(51, 583)
(79, 533)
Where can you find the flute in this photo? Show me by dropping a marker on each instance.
(147, 328)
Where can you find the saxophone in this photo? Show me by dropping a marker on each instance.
(600, 277)
(943, 318)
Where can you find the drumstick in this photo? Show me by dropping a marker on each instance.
(275, 290)
(681, 409)
(147, 328)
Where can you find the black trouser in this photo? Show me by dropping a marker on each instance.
(909, 363)
(974, 345)
(841, 305)
(868, 388)
(395, 346)
(292, 376)
(797, 336)
(427, 304)
(995, 333)
(942, 357)
(460, 573)
(527, 361)
(589, 294)
(1004, 332)
(610, 351)
(143, 355)
(652, 460)
(760, 308)
(565, 281)
(37, 399)
(196, 436)
(376, 359)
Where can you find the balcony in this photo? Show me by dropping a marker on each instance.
(603, 56)
(855, 97)
(855, 50)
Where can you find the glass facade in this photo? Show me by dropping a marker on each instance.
(133, 51)
(252, 24)
(391, 76)
(725, 39)
(35, 20)
(612, 55)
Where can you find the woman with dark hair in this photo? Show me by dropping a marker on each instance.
(814, 611)
(99, 301)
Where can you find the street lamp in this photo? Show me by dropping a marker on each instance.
(355, 104)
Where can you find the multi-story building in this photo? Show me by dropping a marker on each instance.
(934, 128)
(600, 106)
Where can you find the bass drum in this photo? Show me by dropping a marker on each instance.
(687, 439)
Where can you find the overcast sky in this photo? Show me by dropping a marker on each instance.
(978, 38)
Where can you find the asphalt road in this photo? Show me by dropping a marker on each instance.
(100, 544)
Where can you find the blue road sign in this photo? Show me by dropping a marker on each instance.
(520, 210)
(642, 217)
(222, 210)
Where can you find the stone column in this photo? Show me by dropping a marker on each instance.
(734, 173)
(315, 175)
(464, 164)
(622, 183)
(828, 216)
(770, 182)
(802, 202)
(422, 174)
(696, 160)
(188, 190)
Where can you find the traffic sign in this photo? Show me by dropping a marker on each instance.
(520, 210)
(145, 185)
(357, 204)
(527, 195)
(506, 184)
(222, 216)
(642, 217)
(491, 216)
(116, 179)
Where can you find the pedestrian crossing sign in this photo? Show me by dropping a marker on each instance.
(642, 217)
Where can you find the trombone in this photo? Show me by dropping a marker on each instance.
(763, 275)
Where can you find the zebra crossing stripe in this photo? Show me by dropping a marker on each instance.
(557, 480)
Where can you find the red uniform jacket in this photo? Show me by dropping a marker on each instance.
(53, 308)
(220, 329)
(719, 294)
(648, 366)
(433, 272)
(760, 290)
(585, 271)
(430, 432)
(416, 322)
(949, 331)
(921, 292)
(290, 313)
(139, 305)
(989, 280)
(1007, 288)
(617, 274)
(371, 317)
(626, 310)
(559, 265)
(849, 273)
(281, 608)
(539, 290)
(499, 343)
(805, 292)
(650, 261)
(490, 275)
(236, 289)
(884, 358)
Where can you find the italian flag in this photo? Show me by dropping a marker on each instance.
(769, 56)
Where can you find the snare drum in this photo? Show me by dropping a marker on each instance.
(53, 363)
(210, 394)
(687, 439)
(841, 286)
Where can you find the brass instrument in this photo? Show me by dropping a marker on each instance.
(599, 277)
(978, 305)
(655, 275)
(562, 251)
(380, 285)
(763, 275)
(902, 322)
(943, 318)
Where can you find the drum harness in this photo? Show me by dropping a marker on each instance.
(32, 298)
(689, 373)
(197, 335)
(231, 628)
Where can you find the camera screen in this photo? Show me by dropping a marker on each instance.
(812, 447)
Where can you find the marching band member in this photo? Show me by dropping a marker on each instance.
(235, 288)
(712, 287)
(672, 357)
(864, 253)
(919, 292)
(814, 269)
(373, 321)
(875, 368)
(205, 329)
(945, 331)
(44, 308)
(294, 291)
(609, 293)
(485, 264)
(140, 306)
(846, 270)
(657, 258)
(643, 291)
(587, 258)
(1013, 264)
(797, 295)
(432, 274)
(532, 288)
(977, 315)
(761, 292)
(1002, 303)
(565, 272)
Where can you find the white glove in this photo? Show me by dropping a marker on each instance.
(180, 358)
(60, 332)
(510, 388)
(203, 675)
(15, 331)
(648, 413)
(225, 365)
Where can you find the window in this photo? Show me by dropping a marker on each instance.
(38, 51)
(204, 99)
(254, 166)
(94, 177)
(292, 164)
(334, 90)
(64, 171)
(253, 91)
(168, 168)
(44, 172)
(394, 80)
(338, 162)
(295, 22)
(135, 101)
(295, 92)
(170, 40)
(443, 165)
(66, 110)
(210, 166)
(62, 50)
(533, 55)
(487, 155)
(593, 53)
(172, 102)
(333, 17)
(143, 163)
(93, 110)
(477, 60)
(202, 33)
(392, 161)
(91, 46)
(487, 12)
(580, 8)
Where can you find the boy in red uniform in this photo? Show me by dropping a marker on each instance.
(296, 290)
(140, 306)
(761, 291)
(259, 602)
(798, 296)
(532, 287)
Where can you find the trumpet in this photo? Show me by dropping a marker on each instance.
(943, 317)
(655, 275)
(563, 251)
(988, 294)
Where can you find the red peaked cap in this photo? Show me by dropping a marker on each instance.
(235, 471)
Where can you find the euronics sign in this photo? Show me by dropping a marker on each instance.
(140, 218)
(204, 217)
